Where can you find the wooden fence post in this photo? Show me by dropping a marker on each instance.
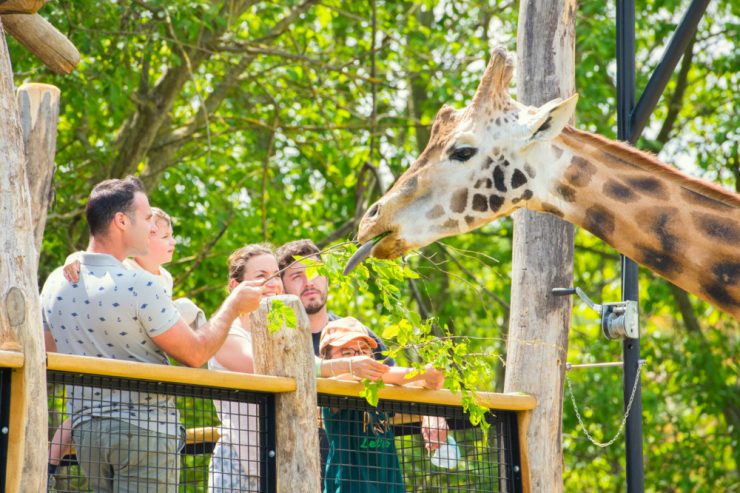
(543, 252)
(38, 106)
(20, 311)
(289, 353)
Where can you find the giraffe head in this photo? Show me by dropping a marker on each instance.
(479, 164)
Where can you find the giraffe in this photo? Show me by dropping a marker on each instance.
(496, 155)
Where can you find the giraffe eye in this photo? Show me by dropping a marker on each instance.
(462, 154)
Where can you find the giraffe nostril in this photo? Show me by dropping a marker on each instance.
(373, 211)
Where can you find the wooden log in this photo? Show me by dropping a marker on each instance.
(20, 311)
(289, 353)
(38, 105)
(20, 6)
(543, 253)
(43, 40)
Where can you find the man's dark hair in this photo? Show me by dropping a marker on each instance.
(108, 198)
(290, 252)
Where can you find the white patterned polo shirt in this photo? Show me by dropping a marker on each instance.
(112, 312)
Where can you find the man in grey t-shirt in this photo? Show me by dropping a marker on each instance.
(127, 440)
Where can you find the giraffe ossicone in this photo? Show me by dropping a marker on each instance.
(496, 155)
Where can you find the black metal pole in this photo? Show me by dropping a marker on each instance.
(630, 347)
(662, 73)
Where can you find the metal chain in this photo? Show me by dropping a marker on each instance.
(626, 412)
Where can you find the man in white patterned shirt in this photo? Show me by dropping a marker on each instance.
(127, 440)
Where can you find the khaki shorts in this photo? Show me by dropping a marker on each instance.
(119, 457)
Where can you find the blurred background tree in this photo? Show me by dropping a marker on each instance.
(258, 121)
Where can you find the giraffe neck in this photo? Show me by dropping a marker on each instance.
(686, 230)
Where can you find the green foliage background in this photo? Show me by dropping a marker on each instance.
(258, 121)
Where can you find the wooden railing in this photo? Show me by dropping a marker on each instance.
(86, 366)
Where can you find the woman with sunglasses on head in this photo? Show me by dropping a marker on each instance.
(235, 464)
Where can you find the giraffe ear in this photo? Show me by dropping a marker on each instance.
(551, 117)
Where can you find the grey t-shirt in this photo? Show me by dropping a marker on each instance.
(112, 312)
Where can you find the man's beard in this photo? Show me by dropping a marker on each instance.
(314, 307)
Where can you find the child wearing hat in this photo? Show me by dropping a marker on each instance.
(362, 453)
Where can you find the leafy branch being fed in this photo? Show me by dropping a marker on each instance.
(407, 335)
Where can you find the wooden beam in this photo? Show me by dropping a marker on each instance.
(11, 359)
(502, 402)
(20, 6)
(20, 310)
(289, 353)
(175, 374)
(43, 40)
(38, 105)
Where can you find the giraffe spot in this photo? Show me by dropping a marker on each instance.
(619, 192)
(557, 151)
(657, 260)
(703, 200)
(725, 274)
(530, 172)
(484, 183)
(449, 224)
(459, 200)
(506, 161)
(599, 221)
(480, 203)
(518, 179)
(717, 228)
(720, 294)
(469, 220)
(410, 185)
(495, 202)
(435, 212)
(489, 162)
(567, 193)
(525, 196)
(660, 222)
(648, 185)
(498, 121)
(551, 209)
(579, 172)
(498, 179)
(421, 162)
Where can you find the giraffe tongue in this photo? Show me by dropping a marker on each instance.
(360, 255)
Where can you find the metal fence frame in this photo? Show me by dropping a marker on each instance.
(520, 405)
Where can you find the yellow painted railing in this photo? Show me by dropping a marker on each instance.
(520, 403)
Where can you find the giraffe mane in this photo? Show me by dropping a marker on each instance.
(649, 162)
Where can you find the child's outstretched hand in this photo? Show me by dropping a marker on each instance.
(432, 378)
(71, 271)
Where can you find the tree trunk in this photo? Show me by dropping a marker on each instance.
(543, 252)
(289, 353)
(38, 105)
(20, 311)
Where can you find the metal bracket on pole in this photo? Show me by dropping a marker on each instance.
(619, 320)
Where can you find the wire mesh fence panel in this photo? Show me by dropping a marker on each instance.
(111, 434)
(388, 448)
